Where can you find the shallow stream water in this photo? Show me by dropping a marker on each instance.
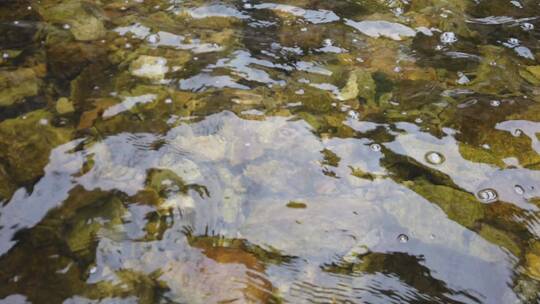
(301, 151)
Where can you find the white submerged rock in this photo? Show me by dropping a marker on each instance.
(151, 67)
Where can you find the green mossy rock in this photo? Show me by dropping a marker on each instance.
(83, 18)
(18, 84)
(64, 106)
(460, 206)
(26, 142)
(359, 84)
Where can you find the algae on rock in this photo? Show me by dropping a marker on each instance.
(18, 84)
(82, 18)
(25, 144)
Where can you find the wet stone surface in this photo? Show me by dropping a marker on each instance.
(299, 151)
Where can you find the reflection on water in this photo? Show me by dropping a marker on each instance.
(266, 152)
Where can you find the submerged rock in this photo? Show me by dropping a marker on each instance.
(359, 84)
(533, 261)
(81, 18)
(151, 67)
(18, 84)
(25, 144)
(64, 106)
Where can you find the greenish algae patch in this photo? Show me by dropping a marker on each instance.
(296, 205)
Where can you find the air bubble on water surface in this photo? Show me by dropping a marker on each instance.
(128, 45)
(5, 55)
(66, 26)
(434, 158)
(487, 195)
(519, 190)
(168, 100)
(495, 103)
(375, 147)
(403, 238)
(527, 26)
(418, 120)
(517, 132)
(512, 42)
(448, 38)
(43, 122)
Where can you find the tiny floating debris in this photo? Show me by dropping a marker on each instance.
(403, 238)
(488, 195)
(434, 158)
